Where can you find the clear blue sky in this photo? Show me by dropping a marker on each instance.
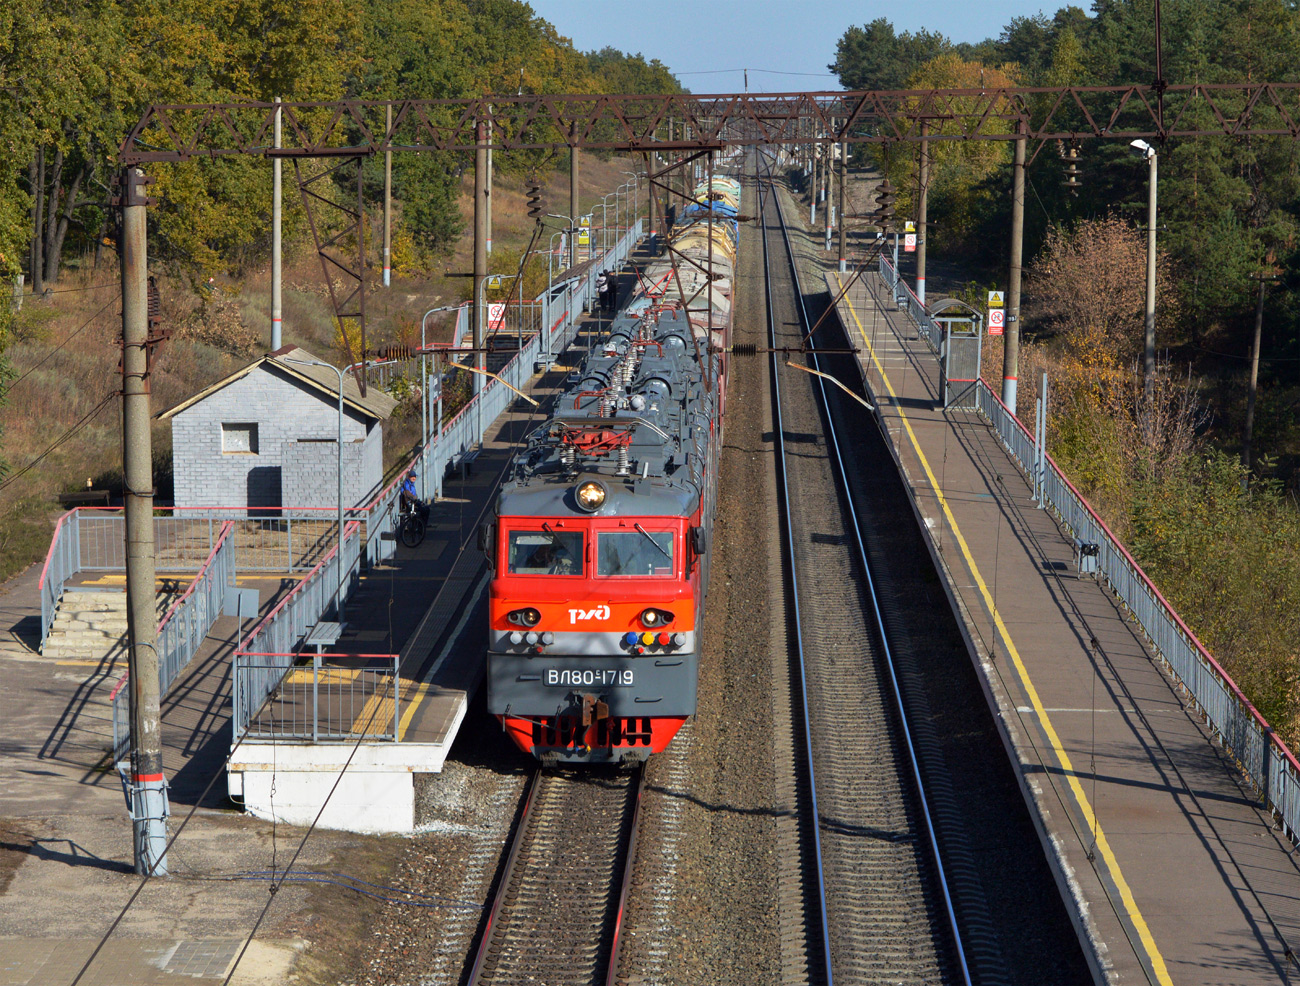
(766, 36)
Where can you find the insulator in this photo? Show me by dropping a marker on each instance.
(1072, 173)
(744, 349)
(623, 465)
(568, 454)
(534, 194)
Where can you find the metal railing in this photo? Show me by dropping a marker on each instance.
(905, 296)
(183, 629)
(62, 562)
(1267, 761)
(336, 697)
(275, 640)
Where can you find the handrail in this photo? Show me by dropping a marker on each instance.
(1151, 586)
(54, 541)
(226, 528)
(348, 529)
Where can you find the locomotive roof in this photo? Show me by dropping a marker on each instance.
(645, 438)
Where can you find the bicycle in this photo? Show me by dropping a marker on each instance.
(412, 521)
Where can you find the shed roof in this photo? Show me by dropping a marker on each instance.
(303, 366)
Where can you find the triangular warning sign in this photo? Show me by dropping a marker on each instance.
(995, 299)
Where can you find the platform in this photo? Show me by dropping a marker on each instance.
(1171, 869)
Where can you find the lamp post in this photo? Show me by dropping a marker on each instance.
(569, 230)
(636, 200)
(1143, 149)
(338, 562)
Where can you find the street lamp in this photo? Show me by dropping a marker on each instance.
(636, 208)
(1143, 149)
(338, 562)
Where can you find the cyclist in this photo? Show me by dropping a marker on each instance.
(411, 499)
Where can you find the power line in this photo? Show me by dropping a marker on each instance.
(85, 419)
(75, 333)
(764, 71)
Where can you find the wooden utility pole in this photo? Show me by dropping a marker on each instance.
(148, 787)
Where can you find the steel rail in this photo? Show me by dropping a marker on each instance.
(875, 606)
(520, 856)
(779, 442)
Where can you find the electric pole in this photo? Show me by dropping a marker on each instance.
(844, 173)
(1011, 333)
(480, 246)
(277, 262)
(148, 787)
(923, 194)
(388, 201)
(574, 218)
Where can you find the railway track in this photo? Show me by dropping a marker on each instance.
(871, 861)
(555, 919)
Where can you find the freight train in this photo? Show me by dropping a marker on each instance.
(600, 545)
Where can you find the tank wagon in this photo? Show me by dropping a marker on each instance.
(600, 546)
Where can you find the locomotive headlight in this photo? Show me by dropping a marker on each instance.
(655, 617)
(590, 495)
(524, 617)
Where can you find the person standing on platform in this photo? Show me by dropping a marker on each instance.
(601, 280)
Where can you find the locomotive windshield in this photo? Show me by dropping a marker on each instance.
(545, 553)
(637, 552)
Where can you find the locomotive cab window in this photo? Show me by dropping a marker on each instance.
(544, 553)
(635, 552)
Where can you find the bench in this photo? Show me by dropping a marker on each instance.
(326, 633)
(84, 498)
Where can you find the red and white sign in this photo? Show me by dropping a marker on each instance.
(496, 312)
(909, 243)
(997, 320)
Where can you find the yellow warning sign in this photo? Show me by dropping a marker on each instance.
(995, 299)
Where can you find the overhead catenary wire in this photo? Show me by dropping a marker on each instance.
(84, 420)
(75, 332)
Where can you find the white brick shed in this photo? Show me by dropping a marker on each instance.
(267, 436)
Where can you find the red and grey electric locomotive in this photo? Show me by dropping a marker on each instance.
(600, 545)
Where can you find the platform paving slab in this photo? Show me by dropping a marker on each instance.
(1174, 872)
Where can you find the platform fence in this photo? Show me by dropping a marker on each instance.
(182, 630)
(1238, 725)
(280, 632)
(930, 330)
(334, 698)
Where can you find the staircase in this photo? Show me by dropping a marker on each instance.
(89, 635)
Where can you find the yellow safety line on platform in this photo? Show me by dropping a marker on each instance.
(188, 577)
(412, 701)
(1112, 864)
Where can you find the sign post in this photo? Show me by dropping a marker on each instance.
(997, 313)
